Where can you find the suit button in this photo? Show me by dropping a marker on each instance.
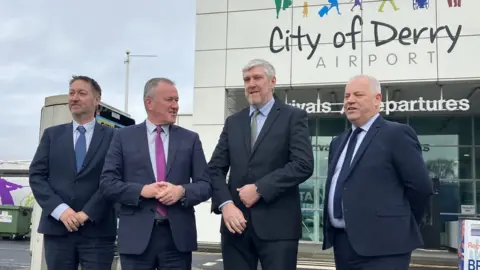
(249, 169)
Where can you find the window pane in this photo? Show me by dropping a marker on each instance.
(397, 119)
(453, 194)
(308, 225)
(448, 162)
(477, 163)
(443, 130)
(477, 130)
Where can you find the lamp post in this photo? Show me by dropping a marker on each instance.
(127, 73)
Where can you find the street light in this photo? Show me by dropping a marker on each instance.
(127, 65)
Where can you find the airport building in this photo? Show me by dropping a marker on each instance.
(425, 53)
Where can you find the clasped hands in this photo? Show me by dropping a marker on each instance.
(73, 220)
(232, 216)
(165, 192)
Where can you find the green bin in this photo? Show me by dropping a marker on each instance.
(15, 221)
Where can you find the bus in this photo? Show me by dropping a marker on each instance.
(112, 117)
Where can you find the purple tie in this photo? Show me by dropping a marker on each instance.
(161, 166)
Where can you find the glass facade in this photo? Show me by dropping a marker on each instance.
(450, 150)
(450, 139)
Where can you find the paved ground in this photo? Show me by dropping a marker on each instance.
(209, 261)
(15, 255)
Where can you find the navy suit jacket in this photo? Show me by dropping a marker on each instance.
(128, 168)
(54, 180)
(386, 191)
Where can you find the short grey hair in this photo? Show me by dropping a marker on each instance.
(372, 81)
(267, 67)
(152, 83)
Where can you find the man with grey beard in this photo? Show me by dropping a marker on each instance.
(268, 151)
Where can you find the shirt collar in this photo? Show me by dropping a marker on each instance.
(367, 125)
(151, 127)
(88, 126)
(265, 109)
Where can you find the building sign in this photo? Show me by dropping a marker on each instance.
(469, 247)
(383, 32)
(390, 106)
(306, 195)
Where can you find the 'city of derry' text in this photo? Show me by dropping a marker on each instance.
(406, 36)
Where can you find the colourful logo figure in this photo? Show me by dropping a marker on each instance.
(282, 5)
(420, 4)
(305, 9)
(357, 3)
(392, 2)
(454, 3)
(325, 9)
(5, 189)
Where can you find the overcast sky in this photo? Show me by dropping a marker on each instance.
(43, 43)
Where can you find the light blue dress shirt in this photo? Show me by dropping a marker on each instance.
(261, 117)
(89, 127)
(340, 223)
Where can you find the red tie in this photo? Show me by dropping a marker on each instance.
(161, 166)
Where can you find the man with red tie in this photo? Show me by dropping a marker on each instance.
(156, 172)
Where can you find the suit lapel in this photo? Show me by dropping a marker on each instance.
(68, 139)
(144, 151)
(173, 140)
(365, 143)
(331, 167)
(97, 137)
(272, 116)
(246, 128)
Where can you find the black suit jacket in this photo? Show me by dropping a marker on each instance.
(128, 168)
(280, 161)
(54, 180)
(386, 191)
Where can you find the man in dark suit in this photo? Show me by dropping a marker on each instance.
(377, 187)
(156, 171)
(269, 153)
(78, 224)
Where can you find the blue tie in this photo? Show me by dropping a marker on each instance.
(80, 147)
(337, 200)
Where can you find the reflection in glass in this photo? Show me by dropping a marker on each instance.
(448, 162)
(477, 131)
(308, 225)
(453, 194)
(443, 130)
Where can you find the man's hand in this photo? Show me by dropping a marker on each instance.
(151, 190)
(82, 217)
(233, 218)
(249, 195)
(169, 193)
(69, 219)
